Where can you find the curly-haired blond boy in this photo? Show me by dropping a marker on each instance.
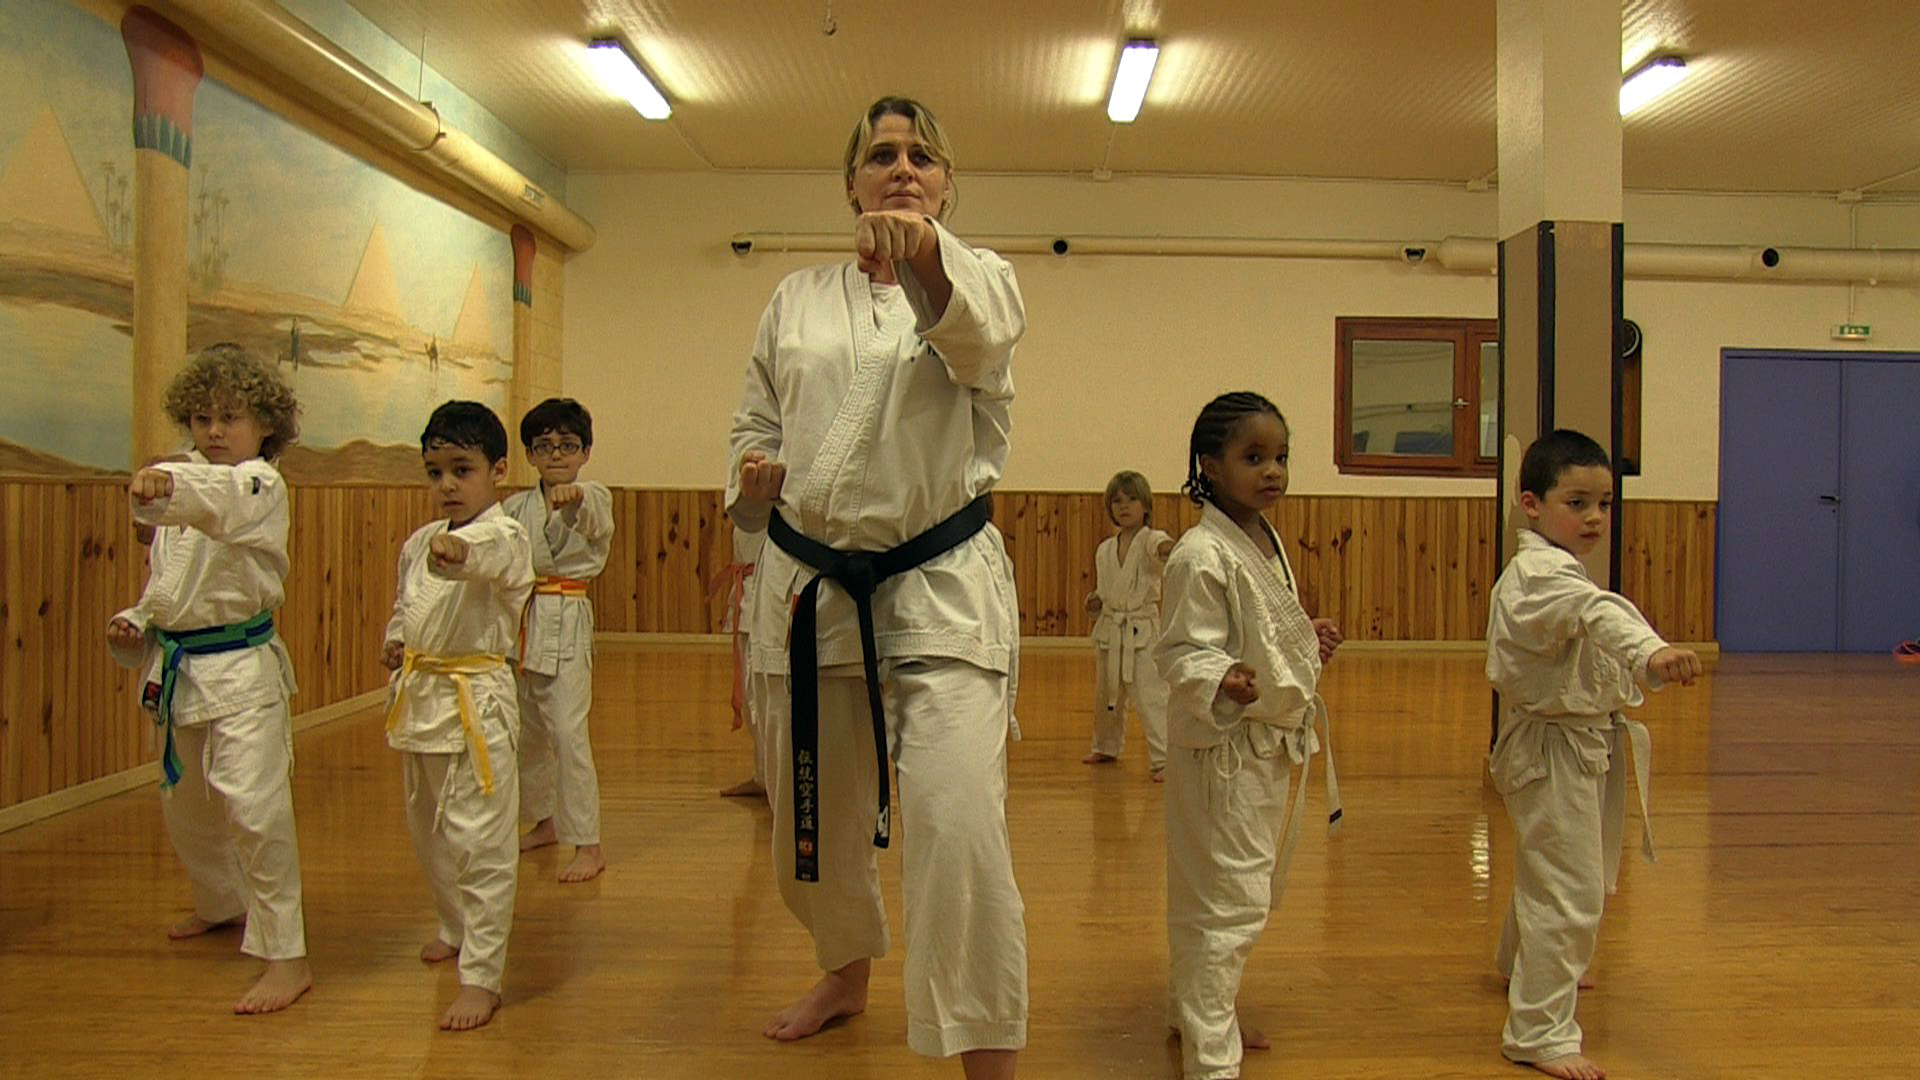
(217, 677)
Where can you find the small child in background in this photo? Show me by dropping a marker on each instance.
(1242, 660)
(464, 582)
(570, 524)
(1566, 656)
(1126, 601)
(217, 677)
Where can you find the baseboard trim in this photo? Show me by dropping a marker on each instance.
(106, 787)
(693, 642)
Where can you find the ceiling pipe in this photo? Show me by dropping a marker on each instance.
(301, 56)
(1459, 254)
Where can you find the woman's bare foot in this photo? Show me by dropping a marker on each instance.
(436, 950)
(194, 926)
(1097, 758)
(745, 789)
(280, 986)
(1252, 1039)
(472, 1008)
(838, 994)
(1158, 776)
(1570, 1067)
(541, 835)
(586, 865)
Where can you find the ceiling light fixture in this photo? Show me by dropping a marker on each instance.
(620, 72)
(1130, 80)
(1648, 81)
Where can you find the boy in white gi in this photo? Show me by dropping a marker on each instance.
(1126, 598)
(570, 523)
(463, 583)
(1242, 661)
(1565, 656)
(217, 678)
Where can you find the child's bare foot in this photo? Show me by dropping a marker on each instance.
(539, 836)
(436, 950)
(280, 986)
(1252, 1039)
(472, 1008)
(745, 789)
(838, 994)
(1097, 758)
(586, 865)
(1570, 1067)
(194, 926)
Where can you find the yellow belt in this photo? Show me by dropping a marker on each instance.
(456, 668)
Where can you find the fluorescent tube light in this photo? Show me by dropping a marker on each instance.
(1649, 81)
(620, 72)
(1130, 80)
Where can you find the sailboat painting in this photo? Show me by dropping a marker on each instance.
(377, 300)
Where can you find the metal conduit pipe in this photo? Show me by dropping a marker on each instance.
(1230, 247)
(1460, 254)
(301, 55)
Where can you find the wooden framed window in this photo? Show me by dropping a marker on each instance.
(1416, 397)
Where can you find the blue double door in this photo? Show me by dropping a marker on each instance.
(1819, 517)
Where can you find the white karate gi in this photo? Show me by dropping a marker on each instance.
(1229, 770)
(219, 558)
(1565, 656)
(466, 836)
(1124, 634)
(557, 777)
(890, 421)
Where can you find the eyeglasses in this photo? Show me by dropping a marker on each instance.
(557, 447)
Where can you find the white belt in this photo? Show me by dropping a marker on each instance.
(1268, 741)
(1120, 661)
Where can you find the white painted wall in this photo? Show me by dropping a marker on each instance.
(1122, 351)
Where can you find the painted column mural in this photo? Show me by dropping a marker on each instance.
(519, 400)
(166, 71)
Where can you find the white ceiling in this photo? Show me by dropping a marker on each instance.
(1785, 95)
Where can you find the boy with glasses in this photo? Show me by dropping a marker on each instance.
(571, 524)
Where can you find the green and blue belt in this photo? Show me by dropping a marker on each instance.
(175, 647)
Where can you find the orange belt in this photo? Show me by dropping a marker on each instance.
(544, 586)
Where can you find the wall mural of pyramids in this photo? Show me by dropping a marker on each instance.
(377, 301)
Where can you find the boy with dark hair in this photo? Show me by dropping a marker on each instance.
(464, 581)
(1566, 657)
(570, 522)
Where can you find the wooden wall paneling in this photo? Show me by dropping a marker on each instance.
(716, 554)
(1386, 568)
(66, 660)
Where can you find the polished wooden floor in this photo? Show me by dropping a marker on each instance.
(1777, 937)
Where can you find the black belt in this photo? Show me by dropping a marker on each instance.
(860, 574)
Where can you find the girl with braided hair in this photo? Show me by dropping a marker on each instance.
(1242, 661)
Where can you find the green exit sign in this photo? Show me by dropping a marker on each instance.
(1852, 332)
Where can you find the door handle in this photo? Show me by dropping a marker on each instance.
(1830, 500)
